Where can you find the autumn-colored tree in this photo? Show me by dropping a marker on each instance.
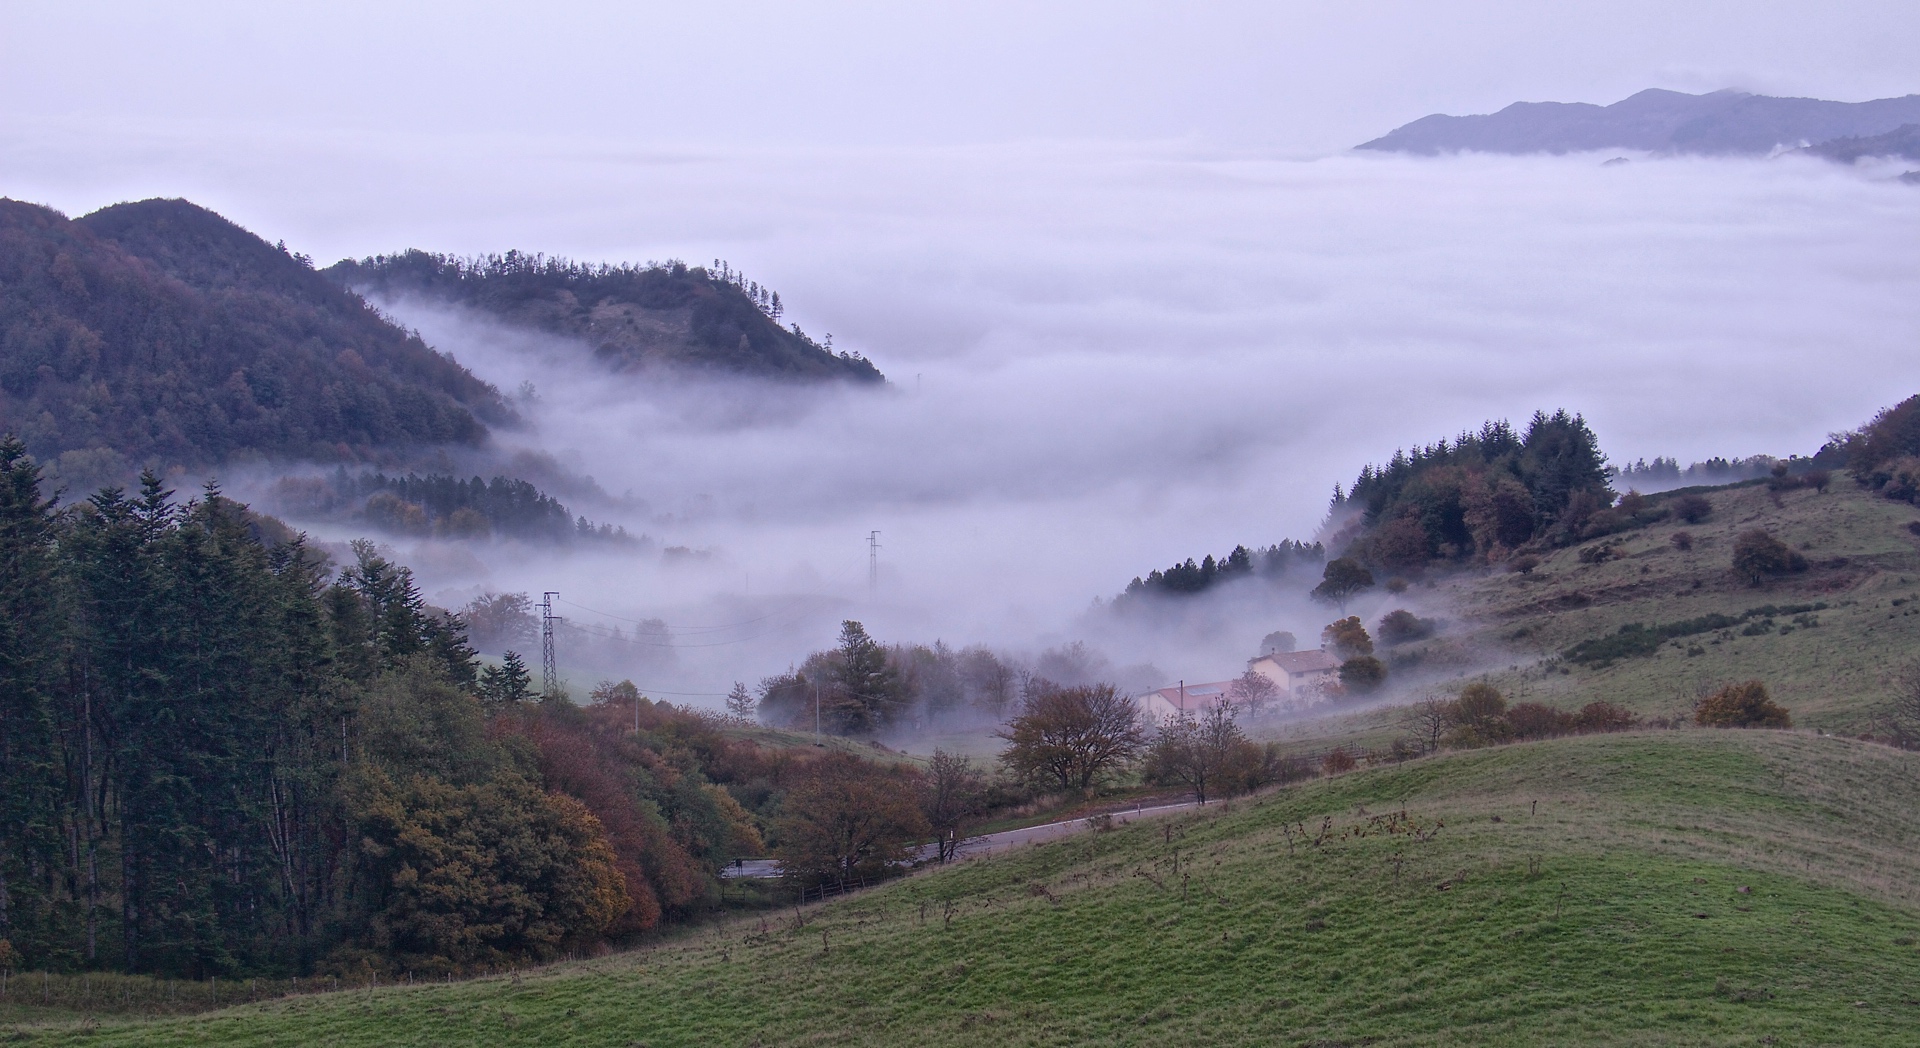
(1692, 508)
(1535, 720)
(1068, 738)
(1252, 693)
(1479, 716)
(1603, 716)
(1347, 638)
(470, 875)
(848, 819)
(1744, 705)
(1758, 556)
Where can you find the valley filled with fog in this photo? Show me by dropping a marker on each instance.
(1103, 361)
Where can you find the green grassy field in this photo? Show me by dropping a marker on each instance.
(1683, 887)
(1831, 668)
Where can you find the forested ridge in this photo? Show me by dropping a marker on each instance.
(703, 318)
(220, 755)
(159, 334)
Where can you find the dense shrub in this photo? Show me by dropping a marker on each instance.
(1758, 556)
(1362, 673)
(1741, 706)
(1401, 626)
(1683, 541)
(1603, 716)
(1692, 508)
(1533, 720)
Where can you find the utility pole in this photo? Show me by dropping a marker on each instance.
(549, 670)
(873, 560)
(1183, 696)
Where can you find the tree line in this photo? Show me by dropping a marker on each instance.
(221, 754)
(713, 318)
(1187, 578)
(444, 505)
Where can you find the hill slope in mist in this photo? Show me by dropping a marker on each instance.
(1720, 123)
(1700, 888)
(634, 317)
(160, 334)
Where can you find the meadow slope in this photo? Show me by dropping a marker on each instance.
(1833, 667)
(1679, 887)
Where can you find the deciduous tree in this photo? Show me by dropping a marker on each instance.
(1069, 738)
(847, 819)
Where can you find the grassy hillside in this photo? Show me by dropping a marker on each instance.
(1686, 887)
(1831, 667)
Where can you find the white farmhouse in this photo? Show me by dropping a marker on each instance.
(1303, 677)
(1190, 700)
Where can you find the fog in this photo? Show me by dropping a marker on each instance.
(1105, 362)
(1135, 303)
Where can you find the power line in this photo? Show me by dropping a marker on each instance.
(797, 601)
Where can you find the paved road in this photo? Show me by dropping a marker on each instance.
(987, 843)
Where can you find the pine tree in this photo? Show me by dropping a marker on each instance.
(506, 685)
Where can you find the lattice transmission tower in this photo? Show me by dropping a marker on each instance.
(549, 668)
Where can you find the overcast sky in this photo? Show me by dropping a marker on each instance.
(1298, 77)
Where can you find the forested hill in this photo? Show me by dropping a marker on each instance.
(160, 334)
(1723, 122)
(698, 318)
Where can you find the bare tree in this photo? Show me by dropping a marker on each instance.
(1201, 752)
(949, 793)
(1253, 692)
(1431, 719)
(1070, 737)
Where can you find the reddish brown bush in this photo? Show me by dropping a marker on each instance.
(1741, 706)
(1533, 720)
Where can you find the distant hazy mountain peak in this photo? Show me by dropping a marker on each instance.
(1727, 122)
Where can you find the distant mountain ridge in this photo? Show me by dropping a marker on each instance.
(689, 318)
(1723, 123)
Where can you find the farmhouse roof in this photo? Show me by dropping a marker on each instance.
(1198, 696)
(1303, 661)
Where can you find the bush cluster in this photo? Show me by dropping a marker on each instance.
(1744, 705)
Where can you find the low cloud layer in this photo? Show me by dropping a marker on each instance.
(1104, 361)
(1103, 357)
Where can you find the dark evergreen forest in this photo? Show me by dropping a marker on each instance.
(691, 317)
(1480, 496)
(158, 334)
(221, 755)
